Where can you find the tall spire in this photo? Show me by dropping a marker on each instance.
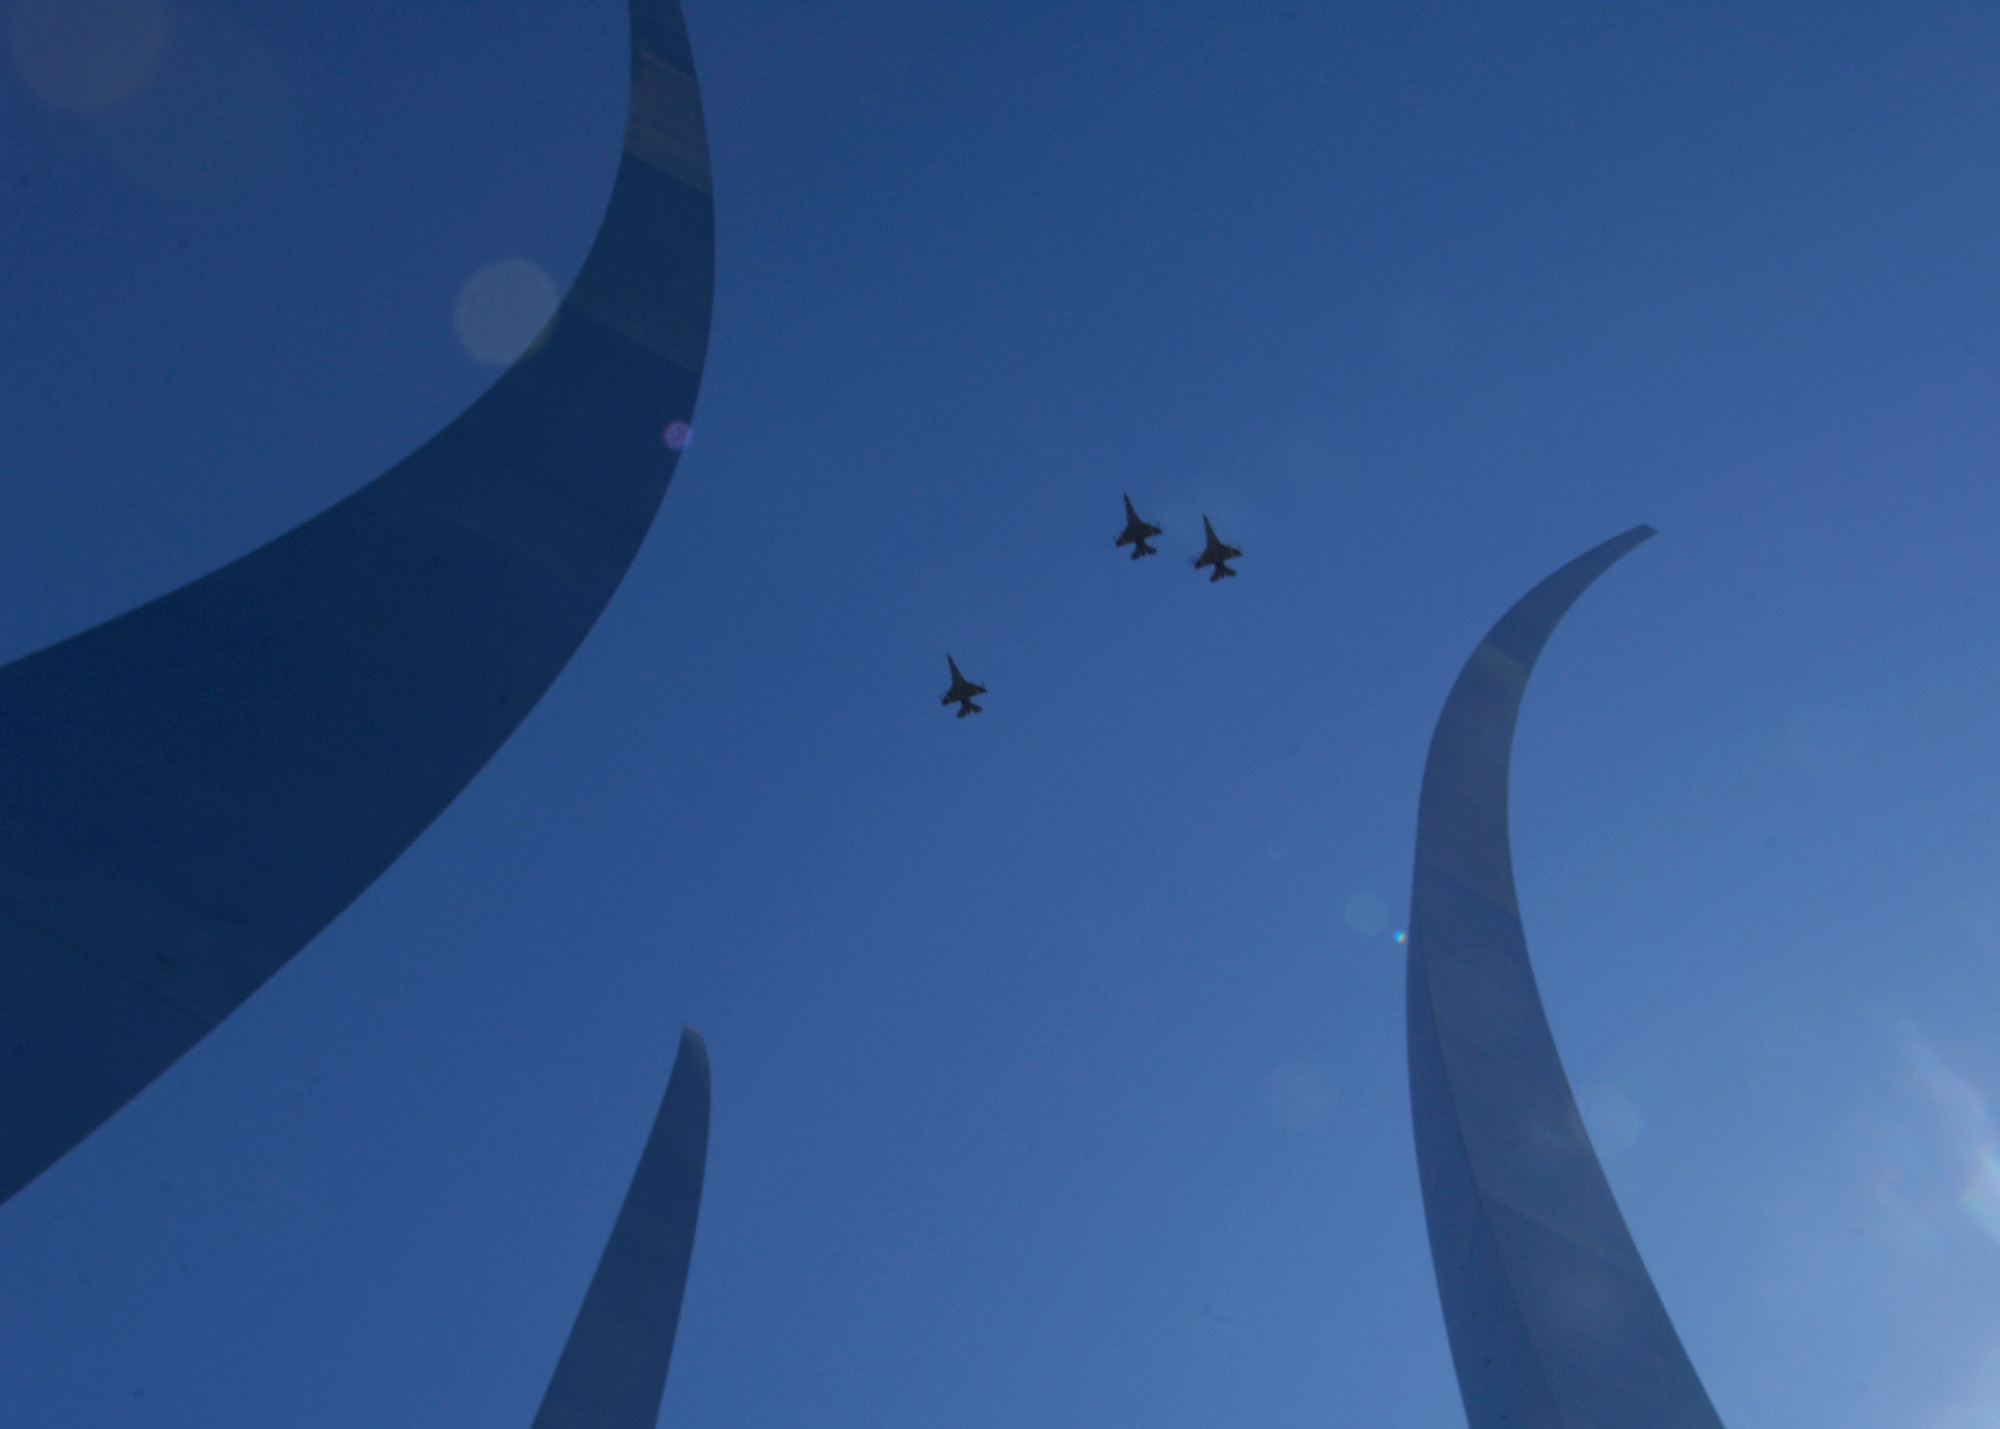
(613, 1371)
(191, 791)
(1553, 1321)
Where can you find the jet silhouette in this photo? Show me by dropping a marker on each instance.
(1136, 532)
(961, 692)
(1215, 554)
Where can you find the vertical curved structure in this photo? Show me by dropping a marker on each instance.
(191, 791)
(1554, 1323)
(613, 1371)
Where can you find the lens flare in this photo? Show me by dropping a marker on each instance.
(503, 311)
(1367, 914)
(1613, 1119)
(1981, 1197)
(1301, 1094)
(1971, 1134)
(87, 56)
(677, 436)
(1973, 1407)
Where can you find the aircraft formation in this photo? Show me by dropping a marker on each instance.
(1214, 558)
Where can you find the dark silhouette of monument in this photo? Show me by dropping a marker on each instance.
(191, 791)
(1554, 1323)
(614, 1368)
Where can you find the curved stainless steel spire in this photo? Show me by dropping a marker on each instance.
(1554, 1323)
(613, 1371)
(190, 792)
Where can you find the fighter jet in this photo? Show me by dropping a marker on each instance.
(1136, 532)
(961, 692)
(1215, 554)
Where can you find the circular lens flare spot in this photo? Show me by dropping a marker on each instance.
(1301, 1094)
(1367, 914)
(84, 56)
(503, 310)
(677, 436)
(1613, 1119)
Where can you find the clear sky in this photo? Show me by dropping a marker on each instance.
(1058, 1052)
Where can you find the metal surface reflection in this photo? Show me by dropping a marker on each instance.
(190, 792)
(613, 1371)
(1554, 1323)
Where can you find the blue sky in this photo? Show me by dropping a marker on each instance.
(1052, 1082)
